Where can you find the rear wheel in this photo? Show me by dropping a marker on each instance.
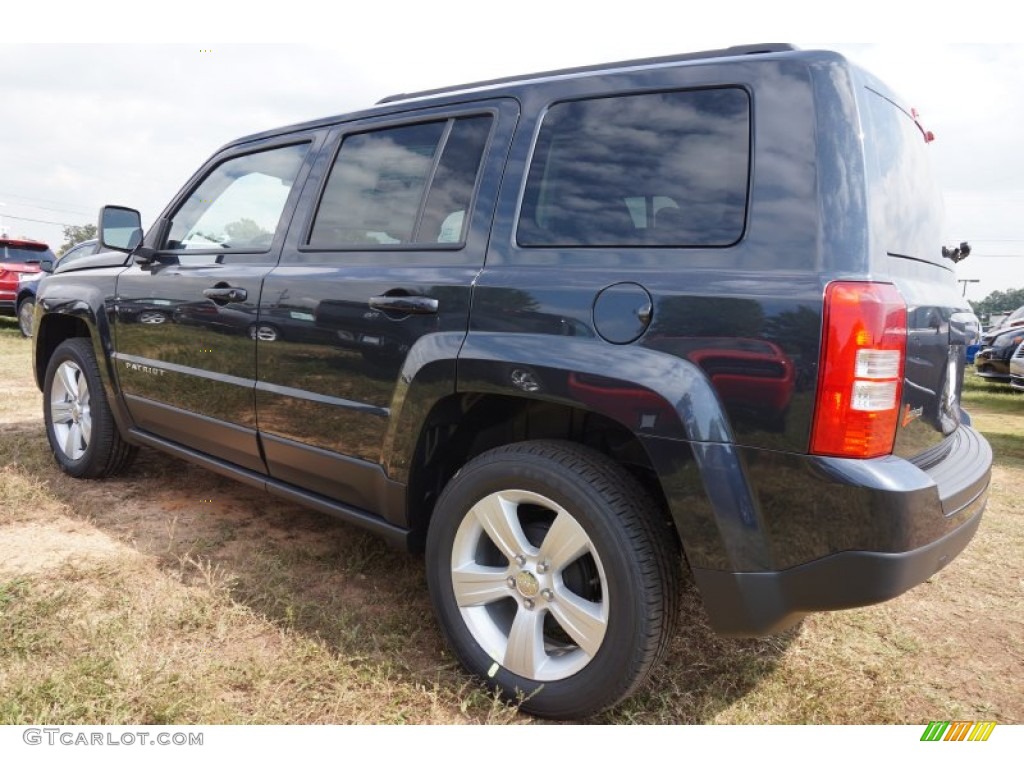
(553, 577)
(152, 317)
(79, 425)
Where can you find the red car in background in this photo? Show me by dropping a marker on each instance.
(18, 257)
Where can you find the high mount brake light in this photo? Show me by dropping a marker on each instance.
(861, 371)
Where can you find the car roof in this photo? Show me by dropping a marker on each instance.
(510, 86)
(737, 50)
(31, 245)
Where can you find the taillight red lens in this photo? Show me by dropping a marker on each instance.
(860, 381)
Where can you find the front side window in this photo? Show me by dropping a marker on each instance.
(411, 184)
(655, 169)
(238, 205)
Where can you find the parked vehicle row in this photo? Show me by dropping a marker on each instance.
(28, 282)
(20, 264)
(1014, 320)
(995, 359)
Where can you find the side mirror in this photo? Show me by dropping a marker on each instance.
(120, 229)
(46, 265)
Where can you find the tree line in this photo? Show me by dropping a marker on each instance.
(999, 301)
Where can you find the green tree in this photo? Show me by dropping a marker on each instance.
(75, 234)
(999, 301)
(247, 231)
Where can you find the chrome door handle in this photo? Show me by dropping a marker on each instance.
(225, 294)
(411, 305)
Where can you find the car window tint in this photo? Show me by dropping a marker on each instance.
(411, 184)
(238, 205)
(657, 169)
(904, 197)
(24, 255)
(444, 217)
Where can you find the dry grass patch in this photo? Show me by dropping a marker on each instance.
(171, 595)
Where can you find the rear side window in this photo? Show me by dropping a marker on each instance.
(404, 185)
(655, 169)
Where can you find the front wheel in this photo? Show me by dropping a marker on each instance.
(79, 425)
(25, 310)
(553, 575)
(263, 332)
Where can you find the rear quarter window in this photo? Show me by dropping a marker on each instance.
(654, 169)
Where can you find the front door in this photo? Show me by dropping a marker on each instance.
(186, 324)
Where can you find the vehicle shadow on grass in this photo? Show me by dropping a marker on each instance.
(331, 582)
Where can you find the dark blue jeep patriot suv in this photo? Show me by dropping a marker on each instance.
(567, 333)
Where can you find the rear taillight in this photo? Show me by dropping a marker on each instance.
(860, 383)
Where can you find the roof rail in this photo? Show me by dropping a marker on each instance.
(736, 50)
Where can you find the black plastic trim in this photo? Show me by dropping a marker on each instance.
(753, 604)
(235, 444)
(736, 50)
(394, 535)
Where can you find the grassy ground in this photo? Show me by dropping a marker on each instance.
(171, 595)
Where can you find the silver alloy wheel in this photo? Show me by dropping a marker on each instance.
(25, 311)
(515, 600)
(263, 333)
(152, 318)
(70, 410)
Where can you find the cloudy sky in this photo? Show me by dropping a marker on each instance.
(83, 124)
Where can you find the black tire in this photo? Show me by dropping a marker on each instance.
(79, 425)
(598, 596)
(25, 309)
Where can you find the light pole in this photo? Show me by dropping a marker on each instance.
(964, 283)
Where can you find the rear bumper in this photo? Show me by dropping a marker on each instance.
(891, 525)
(7, 307)
(751, 604)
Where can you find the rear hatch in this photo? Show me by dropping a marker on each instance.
(14, 254)
(18, 256)
(907, 225)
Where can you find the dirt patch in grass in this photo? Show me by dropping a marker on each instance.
(39, 548)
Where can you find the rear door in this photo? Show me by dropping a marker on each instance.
(907, 222)
(373, 290)
(186, 324)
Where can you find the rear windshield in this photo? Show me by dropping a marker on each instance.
(905, 200)
(24, 254)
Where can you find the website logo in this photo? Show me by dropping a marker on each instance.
(958, 730)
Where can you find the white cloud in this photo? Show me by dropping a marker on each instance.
(109, 123)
